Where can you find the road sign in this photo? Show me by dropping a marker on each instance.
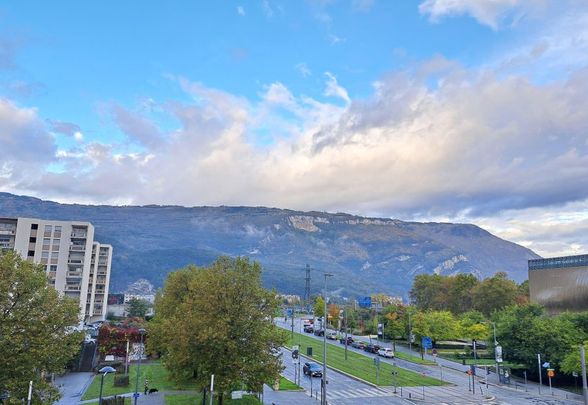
(546, 364)
(427, 342)
(498, 353)
(380, 330)
(290, 311)
(574, 374)
(136, 395)
(550, 372)
(365, 302)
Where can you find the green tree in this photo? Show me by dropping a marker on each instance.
(472, 325)
(438, 325)
(459, 298)
(319, 307)
(36, 335)
(494, 293)
(137, 307)
(218, 320)
(523, 331)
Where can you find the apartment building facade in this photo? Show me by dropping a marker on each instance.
(76, 265)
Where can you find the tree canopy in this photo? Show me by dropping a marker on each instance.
(36, 330)
(138, 307)
(218, 320)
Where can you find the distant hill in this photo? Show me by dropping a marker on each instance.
(367, 255)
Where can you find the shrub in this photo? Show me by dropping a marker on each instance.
(121, 380)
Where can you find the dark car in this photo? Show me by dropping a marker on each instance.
(349, 340)
(312, 369)
(319, 332)
(309, 329)
(372, 348)
(358, 344)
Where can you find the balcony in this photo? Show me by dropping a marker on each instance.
(7, 231)
(100, 282)
(78, 235)
(77, 248)
(74, 274)
(75, 261)
(102, 262)
(73, 287)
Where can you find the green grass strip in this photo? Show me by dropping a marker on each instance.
(191, 399)
(362, 366)
(287, 385)
(155, 372)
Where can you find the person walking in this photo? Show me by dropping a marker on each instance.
(146, 386)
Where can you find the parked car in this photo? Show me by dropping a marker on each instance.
(372, 348)
(349, 340)
(386, 352)
(308, 328)
(319, 332)
(358, 344)
(332, 335)
(312, 369)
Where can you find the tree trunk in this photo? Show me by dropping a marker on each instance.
(220, 398)
(203, 396)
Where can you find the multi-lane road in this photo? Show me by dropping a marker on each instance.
(346, 390)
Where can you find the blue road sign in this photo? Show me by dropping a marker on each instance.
(289, 311)
(365, 302)
(546, 364)
(136, 395)
(427, 342)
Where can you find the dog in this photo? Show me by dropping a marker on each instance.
(152, 390)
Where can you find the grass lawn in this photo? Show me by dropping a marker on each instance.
(188, 399)
(153, 371)
(128, 401)
(287, 385)
(413, 359)
(361, 366)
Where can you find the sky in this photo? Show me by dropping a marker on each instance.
(472, 111)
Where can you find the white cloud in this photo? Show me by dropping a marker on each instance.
(303, 69)
(78, 136)
(487, 12)
(241, 11)
(333, 89)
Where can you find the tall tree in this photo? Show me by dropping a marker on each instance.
(438, 325)
(319, 307)
(217, 320)
(138, 307)
(36, 334)
(494, 293)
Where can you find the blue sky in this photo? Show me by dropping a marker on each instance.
(457, 110)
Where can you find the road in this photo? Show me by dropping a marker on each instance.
(459, 390)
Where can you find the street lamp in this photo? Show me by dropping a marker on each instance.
(142, 332)
(103, 371)
(324, 387)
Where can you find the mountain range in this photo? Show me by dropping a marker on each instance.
(366, 255)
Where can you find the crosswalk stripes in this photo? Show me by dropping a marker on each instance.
(358, 393)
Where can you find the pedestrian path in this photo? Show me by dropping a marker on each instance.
(357, 393)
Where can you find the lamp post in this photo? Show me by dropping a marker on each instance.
(103, 371)
(324, 385)
(142, 332)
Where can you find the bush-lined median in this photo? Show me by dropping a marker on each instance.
(362, 366)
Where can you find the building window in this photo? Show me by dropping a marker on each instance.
(48, 228)
(53, 267)
(44, 255)
(34, 226)
(32, 239)
(31, 253)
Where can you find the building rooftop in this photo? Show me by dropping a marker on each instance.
(558, 262)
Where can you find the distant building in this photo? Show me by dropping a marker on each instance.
(559, 283)
(76, 265)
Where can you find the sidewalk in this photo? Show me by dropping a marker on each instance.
(72, 386)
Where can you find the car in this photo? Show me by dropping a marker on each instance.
(372, 348)
(332, 335)
(358, 344)
(312, 369)
(308, 328)
(386, 352)
(319, 332)
(349, 340)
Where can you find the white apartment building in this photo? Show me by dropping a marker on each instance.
(76, 265)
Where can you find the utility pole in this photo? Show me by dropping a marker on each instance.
(539, 368)
(292, 324)
(584, 383)
(409, 334)
(324, 384)
(346, 330)
(307, 288)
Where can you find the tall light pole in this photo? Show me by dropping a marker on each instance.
(142, 332)
(324, 384)
(104, 371)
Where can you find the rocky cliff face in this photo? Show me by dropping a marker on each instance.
(366, 255)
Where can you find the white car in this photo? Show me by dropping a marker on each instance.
(386, 352)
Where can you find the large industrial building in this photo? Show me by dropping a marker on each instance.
(76, 265)
(559, 283)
